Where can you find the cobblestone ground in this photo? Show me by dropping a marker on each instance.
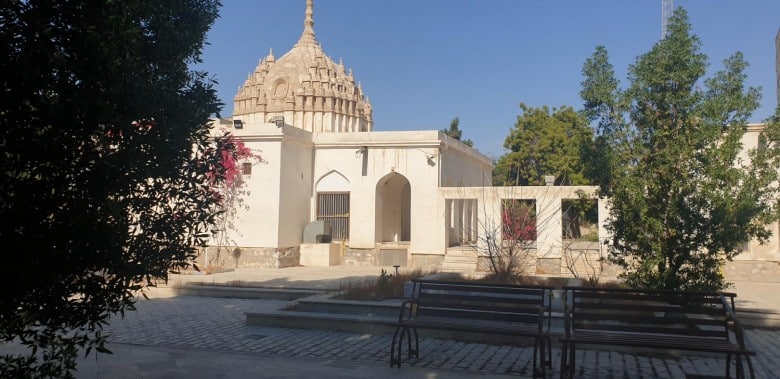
(219, 324)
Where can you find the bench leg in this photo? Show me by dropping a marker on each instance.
(416, 349)
(739, 366)
(750, 367)
(396, 359)
(396, 345)
(538, 344)
(567, 360)
(549, 352)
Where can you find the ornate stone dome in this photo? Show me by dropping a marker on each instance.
(305, 87)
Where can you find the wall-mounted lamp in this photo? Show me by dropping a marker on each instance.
(361, 151)
(238, 124)
(430, 160)
(278, 120)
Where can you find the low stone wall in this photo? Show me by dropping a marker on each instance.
(752, 271)
(265, 257)
(360, 257)
(427, 261)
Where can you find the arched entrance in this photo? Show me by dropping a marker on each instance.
(393, 208)
(333, 204)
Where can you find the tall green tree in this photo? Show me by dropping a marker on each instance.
(668, 156)
(107, 166)
(544, 142)
(455, 132)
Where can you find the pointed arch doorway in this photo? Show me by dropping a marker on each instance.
(333, 204)
(393, 208)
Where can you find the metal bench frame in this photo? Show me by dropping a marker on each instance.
(669, 320)
(513, 310)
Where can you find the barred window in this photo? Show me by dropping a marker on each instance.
(334, 207)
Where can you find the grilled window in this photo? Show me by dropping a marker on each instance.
(334, 207)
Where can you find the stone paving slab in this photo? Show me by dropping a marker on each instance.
(218, 324)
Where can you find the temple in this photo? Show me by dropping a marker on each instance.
(330, 189)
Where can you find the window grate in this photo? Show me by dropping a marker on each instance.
(334, 208)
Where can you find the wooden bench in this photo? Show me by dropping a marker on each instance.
(511, 310)
(691, 321)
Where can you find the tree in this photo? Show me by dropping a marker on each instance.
(456, 133)
(543, 144)
(108, 168)
(667, 155)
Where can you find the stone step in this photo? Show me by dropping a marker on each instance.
(460, 260)
(460, 269)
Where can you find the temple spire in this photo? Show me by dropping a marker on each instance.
(308, 25)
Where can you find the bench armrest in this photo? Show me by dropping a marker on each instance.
(731, 319)
(568, 319)
(408, 311)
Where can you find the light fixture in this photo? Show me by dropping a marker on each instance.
(278, 120)
(361, 151)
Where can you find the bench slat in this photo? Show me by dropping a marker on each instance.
(664, 342)
(477, 315)
(479, 298)
(655, 330)
(636, 305)
(667, 319)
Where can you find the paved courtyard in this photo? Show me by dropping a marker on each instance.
(193, 331)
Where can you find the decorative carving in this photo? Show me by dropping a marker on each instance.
(280, 89)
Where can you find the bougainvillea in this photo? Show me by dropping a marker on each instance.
(519, 221)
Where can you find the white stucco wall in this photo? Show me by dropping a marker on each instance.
(462, 166)
(367, 160)
(275, 209)
(548, 211)
(256, 223)
(297, 163)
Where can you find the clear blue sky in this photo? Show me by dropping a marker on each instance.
(424, 62)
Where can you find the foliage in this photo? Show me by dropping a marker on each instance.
(455, 132)
(106, 166)
(518, 220)
(578, 212)
(667, 155)
(544, 143)
(385, 286)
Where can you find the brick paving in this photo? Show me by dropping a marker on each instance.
(218, 324)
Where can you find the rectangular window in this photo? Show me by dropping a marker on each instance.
(334, 208)
(518, 217)
(246, 168)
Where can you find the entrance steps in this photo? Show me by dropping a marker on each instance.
(460, 259)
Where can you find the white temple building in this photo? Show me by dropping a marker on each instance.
(407, 198)
(311, 122)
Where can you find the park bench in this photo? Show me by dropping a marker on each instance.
(669, 320)
(509, 310)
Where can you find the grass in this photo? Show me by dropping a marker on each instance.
(385, 286)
